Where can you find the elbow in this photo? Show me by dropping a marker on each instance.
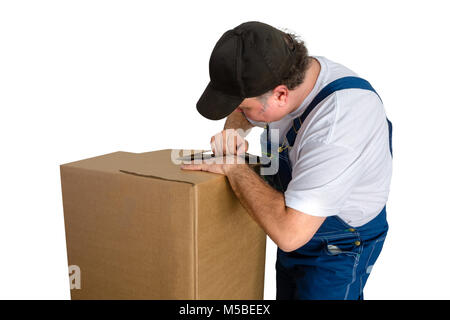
(293, 230)
(289, 247)
(293, 237)
(289, 243)
(288, 235)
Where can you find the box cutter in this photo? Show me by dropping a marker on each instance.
(249, 158)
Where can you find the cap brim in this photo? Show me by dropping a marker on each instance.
(216, 105)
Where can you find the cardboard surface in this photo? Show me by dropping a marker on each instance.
(139, 227)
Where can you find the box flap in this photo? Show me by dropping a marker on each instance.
(159, 164)
(155, 164)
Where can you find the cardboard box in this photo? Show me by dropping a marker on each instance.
(139, 227)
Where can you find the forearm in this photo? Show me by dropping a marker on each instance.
(237, 120)
(264, 204)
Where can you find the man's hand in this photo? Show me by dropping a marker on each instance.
(221, 165)
(228, 142)
(226, 145)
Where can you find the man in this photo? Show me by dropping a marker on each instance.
(325, 205)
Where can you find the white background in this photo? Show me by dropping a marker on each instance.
(84, 78)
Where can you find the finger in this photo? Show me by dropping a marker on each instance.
(213, 144)
(218, 143)
(228, 144)
(231, 143)
(242, 148)
(226, 134)
(245, 145)
(242, 145)
(191, 167)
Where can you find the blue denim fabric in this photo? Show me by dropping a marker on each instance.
(281, 179)
(336, 262)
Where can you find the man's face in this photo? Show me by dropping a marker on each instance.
(256, 110)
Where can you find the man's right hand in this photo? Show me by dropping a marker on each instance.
(228, 142)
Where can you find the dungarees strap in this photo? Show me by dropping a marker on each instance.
(284, 175)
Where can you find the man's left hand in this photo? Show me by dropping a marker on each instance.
(220, 165)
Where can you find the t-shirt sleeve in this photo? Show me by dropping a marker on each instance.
(323, 178)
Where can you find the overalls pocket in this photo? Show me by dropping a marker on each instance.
(348, 244)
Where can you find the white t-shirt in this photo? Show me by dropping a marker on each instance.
(341, 163)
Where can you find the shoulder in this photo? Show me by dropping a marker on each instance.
(319, 124)
(346, 117)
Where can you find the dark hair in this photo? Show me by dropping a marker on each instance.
(297, 73)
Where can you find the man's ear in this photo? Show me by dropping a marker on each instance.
(281, 94)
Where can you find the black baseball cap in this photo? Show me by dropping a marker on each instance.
(246, 62)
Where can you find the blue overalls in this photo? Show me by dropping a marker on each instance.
(337, 261)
